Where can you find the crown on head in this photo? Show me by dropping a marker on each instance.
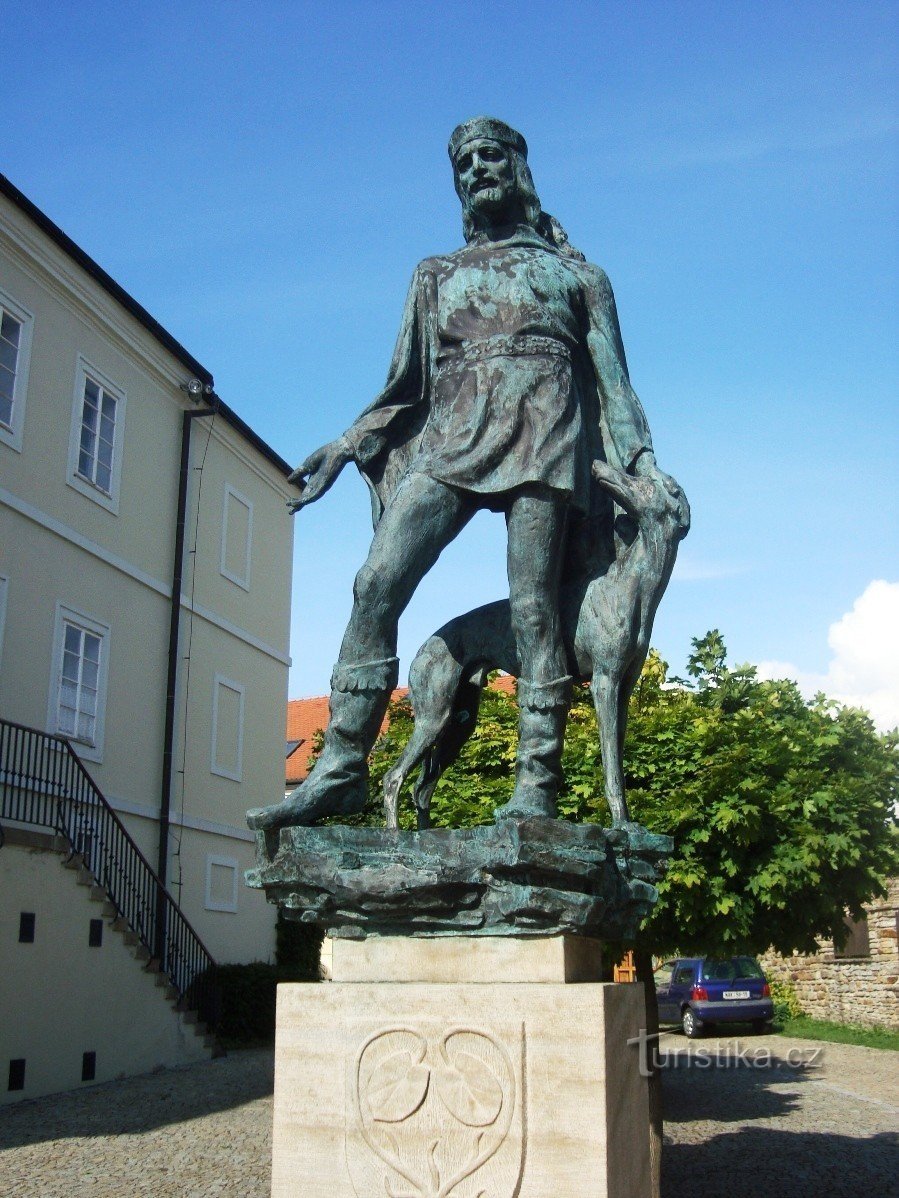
(489, 127)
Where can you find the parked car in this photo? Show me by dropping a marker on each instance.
(697, 992)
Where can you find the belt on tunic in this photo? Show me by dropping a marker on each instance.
(502, 345)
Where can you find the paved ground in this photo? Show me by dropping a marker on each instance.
(822, 1130)
(788, 1117)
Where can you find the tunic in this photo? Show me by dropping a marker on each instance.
(508, 370)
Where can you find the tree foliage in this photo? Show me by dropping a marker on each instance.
(781, 809)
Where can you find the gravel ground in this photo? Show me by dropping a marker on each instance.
(733, 1129)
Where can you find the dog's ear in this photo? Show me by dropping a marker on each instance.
(622, 487)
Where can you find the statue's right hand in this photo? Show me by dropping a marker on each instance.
(319, 472)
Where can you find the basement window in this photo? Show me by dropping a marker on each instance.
(95, 935)
(88, 1066)
(26, 927)
(17, 1074)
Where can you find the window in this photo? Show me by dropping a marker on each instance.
(683, 976)
(95, 934)
(662, 975)
(15, 352)
(78, 694)
(88, 1066)
(221, 883)
(227, 728)
(95, 452)
(237, 532)
(80, 683)
(16, 1074)
(10, 334)
(97, 436)
(26, 927)
(855, 941)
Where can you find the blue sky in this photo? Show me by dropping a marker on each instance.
(264, 177)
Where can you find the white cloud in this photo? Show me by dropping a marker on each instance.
(691, 569)
(864, 667)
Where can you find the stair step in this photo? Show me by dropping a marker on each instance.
(171, 993)
(130, 937)
(210, 1041)
(86, 878)
(76, 861)
(189, 1017)
(98, 894)
(120, 924)
(154, 966)
(142, 952)
(61, 844)
(110, 910)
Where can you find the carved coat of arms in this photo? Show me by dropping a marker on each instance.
(436, 1113)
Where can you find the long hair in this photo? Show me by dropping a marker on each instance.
(541, 222)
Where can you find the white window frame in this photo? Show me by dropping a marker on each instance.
(4, 596)
(220, 770)
(90, 750)
(84, 371)
(11, 434)
(228, 863)
(231, 492)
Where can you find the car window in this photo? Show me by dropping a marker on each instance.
(684, 975)
(719, 971)
(748, 967)
(728, 969)
(662, 975)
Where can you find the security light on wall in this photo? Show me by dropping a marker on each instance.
(196, 388)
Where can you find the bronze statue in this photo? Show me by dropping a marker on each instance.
(507, 384)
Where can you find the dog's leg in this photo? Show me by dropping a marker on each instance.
(606, 691)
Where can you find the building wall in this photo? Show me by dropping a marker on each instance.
(862, 990)
(58, 545)
(61, 998)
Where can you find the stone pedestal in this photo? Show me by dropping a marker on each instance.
(462, 1067)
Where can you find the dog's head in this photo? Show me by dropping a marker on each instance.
(652, 497)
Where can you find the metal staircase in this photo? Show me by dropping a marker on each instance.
(43, 784)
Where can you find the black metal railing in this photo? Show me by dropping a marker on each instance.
(44, 783)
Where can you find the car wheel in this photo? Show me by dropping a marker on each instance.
(690, 1024)
(761, 1026)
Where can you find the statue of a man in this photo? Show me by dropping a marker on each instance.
(508, 380)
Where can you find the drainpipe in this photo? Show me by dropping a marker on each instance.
(168, 744)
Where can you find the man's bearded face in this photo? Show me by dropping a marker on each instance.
(487, 181)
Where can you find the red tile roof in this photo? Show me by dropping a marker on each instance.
(305, 717)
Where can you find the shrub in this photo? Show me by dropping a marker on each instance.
(786, 1004)
(240, 1002)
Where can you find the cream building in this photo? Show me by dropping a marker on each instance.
(111, 438)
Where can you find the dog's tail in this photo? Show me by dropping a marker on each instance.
(453, 736)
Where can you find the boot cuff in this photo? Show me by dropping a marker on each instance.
(544, 696)
(366, 675)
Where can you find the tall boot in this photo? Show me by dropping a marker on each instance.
(338, 783)
(542, 714)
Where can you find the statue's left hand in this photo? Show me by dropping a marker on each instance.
(319, 472)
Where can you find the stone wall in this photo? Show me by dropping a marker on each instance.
(863, 989)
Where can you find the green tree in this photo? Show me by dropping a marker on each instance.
(779, 807)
